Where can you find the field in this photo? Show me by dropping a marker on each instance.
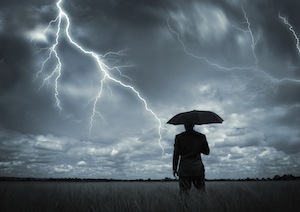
(148, 196)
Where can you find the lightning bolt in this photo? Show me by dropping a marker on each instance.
(259, 73)
(56, 73)
(202, 57)
(103, 67)
(220, 67)
(285, 21)
(253, 42)
(263, 73)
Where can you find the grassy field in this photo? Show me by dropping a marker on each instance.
(148, 196)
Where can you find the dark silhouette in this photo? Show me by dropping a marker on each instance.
(188, 147)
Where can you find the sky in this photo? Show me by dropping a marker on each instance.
(86, 87)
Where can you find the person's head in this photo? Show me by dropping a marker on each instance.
(189, 127)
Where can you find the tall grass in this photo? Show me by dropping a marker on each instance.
(148, 196)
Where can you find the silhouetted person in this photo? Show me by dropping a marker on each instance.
(188, 146)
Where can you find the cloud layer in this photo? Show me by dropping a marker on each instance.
(236, 58)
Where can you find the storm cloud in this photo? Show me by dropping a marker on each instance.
(236, 58)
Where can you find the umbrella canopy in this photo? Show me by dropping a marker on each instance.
(195, 117)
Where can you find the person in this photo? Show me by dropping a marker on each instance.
(188, 147)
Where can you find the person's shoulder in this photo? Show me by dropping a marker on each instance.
(181, 135)
(199, 134)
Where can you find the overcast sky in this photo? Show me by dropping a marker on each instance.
(239, 59)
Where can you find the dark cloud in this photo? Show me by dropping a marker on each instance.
(284, 94)
(15, 59)
(210, 65)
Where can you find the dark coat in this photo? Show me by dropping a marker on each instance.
(189, 146)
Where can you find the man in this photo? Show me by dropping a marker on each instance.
(189, 145)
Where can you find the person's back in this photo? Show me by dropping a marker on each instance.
(188, 146)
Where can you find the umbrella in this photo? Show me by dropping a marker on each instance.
(195, 117)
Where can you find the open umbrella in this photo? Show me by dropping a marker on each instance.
(195, 117)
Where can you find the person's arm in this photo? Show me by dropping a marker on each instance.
(205, 149)
(175, 156)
